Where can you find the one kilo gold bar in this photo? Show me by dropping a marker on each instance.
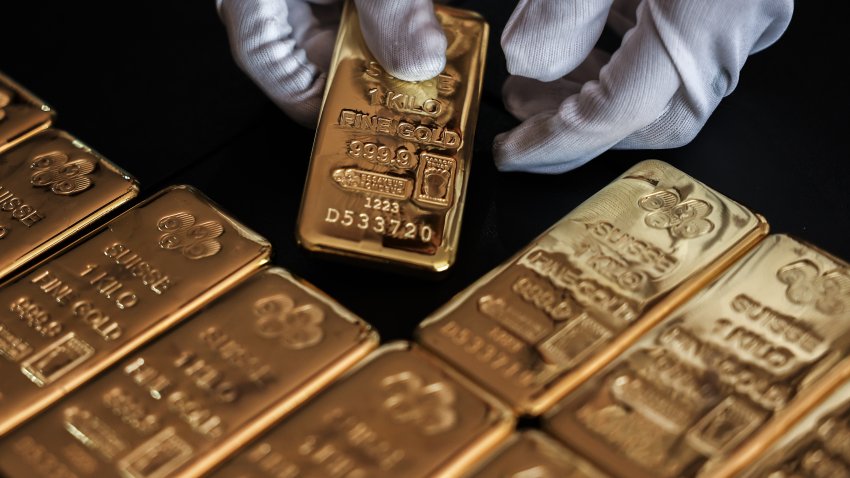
(21, 113)
(73, 315)
(724, 376)
(400, 413)
(51, 187)
(387, 179)
(191, 398)
(535, 328)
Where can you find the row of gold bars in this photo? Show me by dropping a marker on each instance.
(656, 331)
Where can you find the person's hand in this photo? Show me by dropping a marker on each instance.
(285, 46)
(677, 60)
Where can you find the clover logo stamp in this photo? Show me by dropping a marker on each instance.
(64, 176)
(428, 406)
(829, 292)
(684, 219)
(194, 241)
(296, 327)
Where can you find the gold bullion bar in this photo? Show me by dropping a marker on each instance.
(532, 454)
(536, 327)
(185, 402)
(400, 413)
(73, 315)
(818, 446)
(387, 178)
(753, 350)
(21, 113)
(51, 187)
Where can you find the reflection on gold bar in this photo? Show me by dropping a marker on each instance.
(539, 325)
(817, 447)
(51, 187)
(744, 357)
(400, 413)
(184, 403)
(387, 180)
(68, 318)
(21, 113)
(532, 454)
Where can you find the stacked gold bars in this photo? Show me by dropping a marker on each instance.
(656, 330)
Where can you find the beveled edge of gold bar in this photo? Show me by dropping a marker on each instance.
(561, 387)
(131, 192)
(156, 328)
(267, 418)
(35, 101)
(402, 261)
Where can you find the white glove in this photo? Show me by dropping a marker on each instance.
(285, 46)
(677, 60)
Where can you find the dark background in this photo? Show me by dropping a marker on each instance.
(151, 85)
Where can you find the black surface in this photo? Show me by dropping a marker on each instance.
(152, 86)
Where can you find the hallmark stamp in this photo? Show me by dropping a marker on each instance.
(828, 291)
(65, 177)
(435, 181)
(56, 360)
(684, 219)
(195, 241)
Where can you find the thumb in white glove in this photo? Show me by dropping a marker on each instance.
(677, 60)
(285, 46)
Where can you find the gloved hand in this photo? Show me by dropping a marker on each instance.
(677, 60)
(285, 46)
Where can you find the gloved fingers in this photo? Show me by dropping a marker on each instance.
(526, 97)
(633, 91)
(546, 39)
(264, 46)
(677, 126)
(314, 24)
(405, 37)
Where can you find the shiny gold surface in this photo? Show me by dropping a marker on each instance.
(21, 113)
(68, 318)
(390, 161)
(399, 414)
(722, 376)
(532, 454)
(209, 386)
(539, 325)
(51, 187)
(817, 447)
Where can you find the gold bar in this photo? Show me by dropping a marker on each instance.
(387, 179)
(536, 327)
(51, 187)
(70, 317)
(818, 446)
(201, 391)
(21, 113)
(532, 454)
(725, 375)
(399, 413)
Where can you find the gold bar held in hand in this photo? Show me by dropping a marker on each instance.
(539, 325)
(51, 187)
(387, 179)
(726, 374)
(399, 413)
(73, 315)
(187, 401)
